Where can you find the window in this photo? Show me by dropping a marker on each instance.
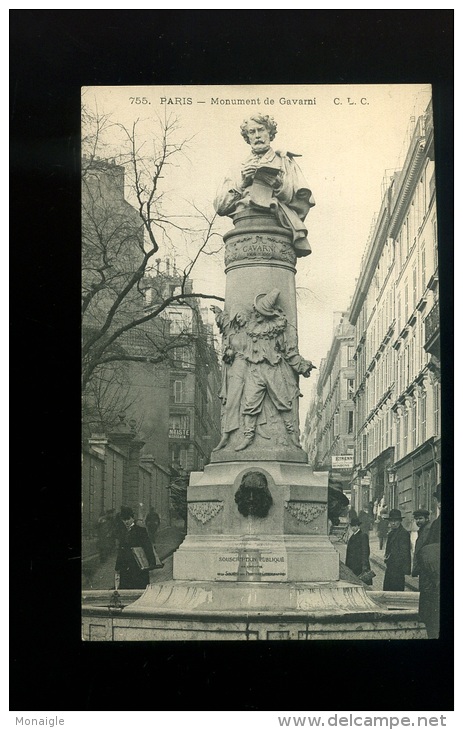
(434, 235)
(364, 450)
(179, 426)
(176, 323)
(350, 421)
(178, 355)
(424, 482)
(178, 391)
(436, 409)
(175, 454)
(406, 302)
(412, 358)
(350, 387)
(415, 283)
(432, 184)
(399, 312)
(413, 434)
(423, 417)
(405, 435)
(336, 424)
(399, 450)
(179, 456)
(423, 268)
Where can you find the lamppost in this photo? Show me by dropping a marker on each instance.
(392, 490)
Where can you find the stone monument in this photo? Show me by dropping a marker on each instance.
(257, 562)
(257, 512)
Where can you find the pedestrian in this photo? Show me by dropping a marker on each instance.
(371, 514)
(135, 557)
(425, 583)
(397, 555)
(364, 518)
(358, 549)
(382, 528)
(421, 517)
(429, 566)
(152, 522)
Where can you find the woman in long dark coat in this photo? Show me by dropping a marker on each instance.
(358, 549)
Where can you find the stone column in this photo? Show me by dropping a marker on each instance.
(260, 259)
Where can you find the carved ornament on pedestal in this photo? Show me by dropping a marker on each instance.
(305, 512)
(205, 511)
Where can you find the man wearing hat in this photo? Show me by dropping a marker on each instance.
(429, 606)
(358, 549)
(426, 583)
(397, 555)
(134, 549)
(421, 517)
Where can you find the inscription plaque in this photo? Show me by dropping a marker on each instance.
(250, 564)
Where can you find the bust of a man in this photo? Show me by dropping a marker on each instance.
(268, 180)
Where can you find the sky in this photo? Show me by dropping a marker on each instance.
(350, 138)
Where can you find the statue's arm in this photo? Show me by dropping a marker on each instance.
(228, 195)
(298, 363)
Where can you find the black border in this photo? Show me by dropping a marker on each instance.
(53, 54)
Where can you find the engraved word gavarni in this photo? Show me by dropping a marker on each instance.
(259, 247)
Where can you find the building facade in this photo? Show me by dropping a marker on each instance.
(378, 391)
(193, 422)
(329, 427)
(394, 311)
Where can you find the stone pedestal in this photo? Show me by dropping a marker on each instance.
(289, 544)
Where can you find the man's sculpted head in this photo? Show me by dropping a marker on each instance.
(259, 119)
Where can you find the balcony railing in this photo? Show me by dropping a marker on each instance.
(431, 331)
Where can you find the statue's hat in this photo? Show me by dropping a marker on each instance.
(265, 303)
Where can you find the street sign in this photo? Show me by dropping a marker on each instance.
(179, 433)
(342, 461)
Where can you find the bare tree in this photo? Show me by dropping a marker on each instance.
(107, 396)
(124, 225)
